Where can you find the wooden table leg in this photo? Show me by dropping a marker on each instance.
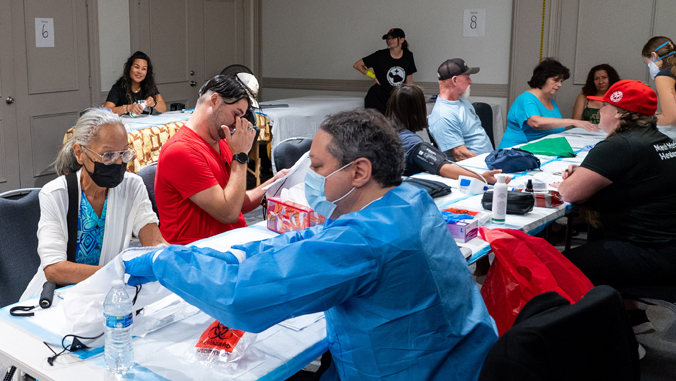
(256, 157)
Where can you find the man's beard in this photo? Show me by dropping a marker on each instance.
(466, 93)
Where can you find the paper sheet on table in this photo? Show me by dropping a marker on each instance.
(300, 322)
(295, 176)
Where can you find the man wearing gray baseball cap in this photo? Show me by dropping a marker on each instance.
(453, 121)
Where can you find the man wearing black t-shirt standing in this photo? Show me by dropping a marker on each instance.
(388, 67)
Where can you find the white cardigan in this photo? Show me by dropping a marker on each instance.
(128, 210)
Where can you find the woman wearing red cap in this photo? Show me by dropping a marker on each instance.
(627, 183)
(390, 68)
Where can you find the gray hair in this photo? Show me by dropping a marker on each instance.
(370, 135)
(84, 132)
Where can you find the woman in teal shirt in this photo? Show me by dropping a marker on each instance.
(535, 114)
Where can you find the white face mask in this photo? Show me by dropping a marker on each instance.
(466, 93)
(652, 67)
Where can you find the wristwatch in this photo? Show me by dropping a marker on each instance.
(241, 157)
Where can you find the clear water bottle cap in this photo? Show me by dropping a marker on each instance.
(117, 283)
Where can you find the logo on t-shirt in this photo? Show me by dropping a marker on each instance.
(396, 75)
(616, 96)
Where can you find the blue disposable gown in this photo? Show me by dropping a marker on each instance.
(399, 299)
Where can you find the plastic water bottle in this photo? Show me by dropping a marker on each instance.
(118, 315)
(499, 200)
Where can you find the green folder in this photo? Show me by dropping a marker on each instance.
(550, 147)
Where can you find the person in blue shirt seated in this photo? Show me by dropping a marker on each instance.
(397, 293)
(534, 114)
(453, 122)
(406, 109)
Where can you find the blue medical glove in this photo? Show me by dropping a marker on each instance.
(140, 269)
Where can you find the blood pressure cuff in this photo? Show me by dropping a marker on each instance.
(428, 158)
(517, 202)
(434, 188)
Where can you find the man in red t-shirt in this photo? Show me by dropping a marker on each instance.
(200, 184)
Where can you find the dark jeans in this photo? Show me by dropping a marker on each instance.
(622, 263)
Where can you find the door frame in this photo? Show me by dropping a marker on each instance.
(94, 52)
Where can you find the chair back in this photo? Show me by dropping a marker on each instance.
(147, 173)
(664, 296)
(485, 113)
(176, 106)
(554, 340)
(287, 153)
(432, 140)
(19, 259)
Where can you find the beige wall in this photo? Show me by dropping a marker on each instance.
(321, 39)
(114, 44)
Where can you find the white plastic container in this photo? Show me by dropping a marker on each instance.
(118, 319)
(499, 200)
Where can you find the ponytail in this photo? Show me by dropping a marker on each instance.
(404, 45)
(83, 133)
(66, 162)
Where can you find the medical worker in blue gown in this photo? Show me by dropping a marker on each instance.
(399, 300)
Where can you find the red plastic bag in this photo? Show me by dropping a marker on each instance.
(525, 266)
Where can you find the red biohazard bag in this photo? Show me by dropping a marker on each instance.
(525, 266)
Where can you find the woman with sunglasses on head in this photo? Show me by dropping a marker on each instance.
(135, 87)
(659, 53)
(112, 204)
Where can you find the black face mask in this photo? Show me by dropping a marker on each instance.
(107, 176)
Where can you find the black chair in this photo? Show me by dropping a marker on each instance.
(147, 173)
(556, 341)
(485, 113)
(664, 296)
(19, 259)
(432, 140)
(235, 69)
(176, 106)
(287, 152)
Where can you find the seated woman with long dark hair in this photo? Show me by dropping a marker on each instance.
(135, 91)
(406, 108)
(599, 79)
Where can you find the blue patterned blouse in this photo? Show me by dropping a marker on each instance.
(90, 228)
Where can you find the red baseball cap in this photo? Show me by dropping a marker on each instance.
(630, 95)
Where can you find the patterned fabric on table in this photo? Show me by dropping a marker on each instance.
(146, 142)
(90, 228)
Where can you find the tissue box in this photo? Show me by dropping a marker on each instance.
(464, 230)
(286, 216)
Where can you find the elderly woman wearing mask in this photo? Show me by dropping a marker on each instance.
(112, 204)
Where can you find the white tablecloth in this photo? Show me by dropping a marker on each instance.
(304, 115)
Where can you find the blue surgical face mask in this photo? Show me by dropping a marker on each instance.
(652, 66)
(314, 192)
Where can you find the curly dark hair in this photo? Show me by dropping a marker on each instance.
(367, 134)
(589, 87)
(147, 86)
(547, 68)
(406, 108)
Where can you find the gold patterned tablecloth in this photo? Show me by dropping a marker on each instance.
(148, 141)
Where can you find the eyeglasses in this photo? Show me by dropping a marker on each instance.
(109, 158)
